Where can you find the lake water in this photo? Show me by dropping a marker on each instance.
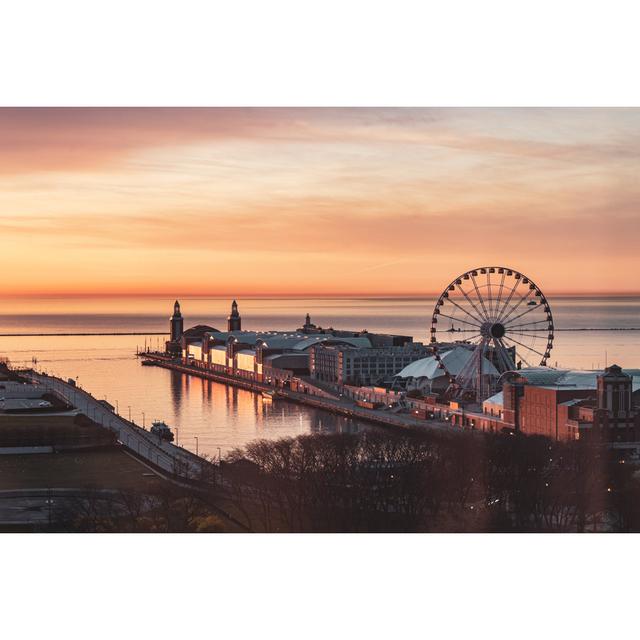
(225, 417)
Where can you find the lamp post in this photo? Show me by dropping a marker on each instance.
(219, 455)
(129, 407)
(143, 421)
(117, 408)
(176, 428)
(196, 437)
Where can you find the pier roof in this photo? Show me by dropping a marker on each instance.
(454, 360)
(551, 378)
(199, 330)
(293, 340)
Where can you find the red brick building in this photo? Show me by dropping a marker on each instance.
(572, 406)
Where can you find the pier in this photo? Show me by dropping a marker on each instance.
(321, 400)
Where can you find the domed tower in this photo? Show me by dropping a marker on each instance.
(176, 323)
(234, 321)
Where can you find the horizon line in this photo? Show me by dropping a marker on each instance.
(252, 295)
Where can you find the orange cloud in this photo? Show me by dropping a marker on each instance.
(315, 200)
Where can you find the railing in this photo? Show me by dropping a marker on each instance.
(178, 462)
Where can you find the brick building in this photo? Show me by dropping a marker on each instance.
(571, 405)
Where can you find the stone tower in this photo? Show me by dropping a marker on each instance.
(234, 321)
(176, 323)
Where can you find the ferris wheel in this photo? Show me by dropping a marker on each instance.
(497, 320)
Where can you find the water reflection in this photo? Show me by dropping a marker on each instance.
(228, 417)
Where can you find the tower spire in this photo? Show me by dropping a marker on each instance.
(176, 323)
(234, 321)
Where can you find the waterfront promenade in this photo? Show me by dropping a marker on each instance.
(167, 457)
(322, 400)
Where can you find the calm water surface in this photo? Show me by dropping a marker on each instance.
(221, 416)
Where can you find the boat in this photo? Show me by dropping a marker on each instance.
(162, 430)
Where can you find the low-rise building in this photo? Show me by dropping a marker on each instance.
(346, 364)
(565, 405)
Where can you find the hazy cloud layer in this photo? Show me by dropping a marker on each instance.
(326, 200)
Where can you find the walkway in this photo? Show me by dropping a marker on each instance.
(343, 406)
(168, 457)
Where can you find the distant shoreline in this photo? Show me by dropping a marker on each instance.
(100, 333)
(165, 333)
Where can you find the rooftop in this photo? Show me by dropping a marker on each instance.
(293, 340)
(550, 378)
(455, 359)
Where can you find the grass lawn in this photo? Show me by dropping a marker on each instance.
(109, 468)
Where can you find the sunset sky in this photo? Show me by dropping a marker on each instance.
(315, 201)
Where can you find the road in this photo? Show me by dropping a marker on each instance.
(168, 457)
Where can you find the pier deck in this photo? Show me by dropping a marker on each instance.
(341, 406)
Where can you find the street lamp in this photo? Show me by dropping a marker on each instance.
(117, 408)
(196, 437)
(219, 455)
(129, 407)
(143, 422)
(176, 428)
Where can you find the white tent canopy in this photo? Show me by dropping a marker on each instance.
(454, 360)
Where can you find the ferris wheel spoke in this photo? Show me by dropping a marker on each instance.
(532, 338)
(499, 295)
(516, 306)
(508, 300)
(529, 332)
(525, 346)
(465, 311)
(525, 324)
(519, 357)
(480, 314)
(489, 294)
(479, 296)
(524, 313)
(473, 324)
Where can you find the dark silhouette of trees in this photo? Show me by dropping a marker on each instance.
(170, 509)
(379, 481)
(417, 481)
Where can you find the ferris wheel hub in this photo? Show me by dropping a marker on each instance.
(492, 330)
